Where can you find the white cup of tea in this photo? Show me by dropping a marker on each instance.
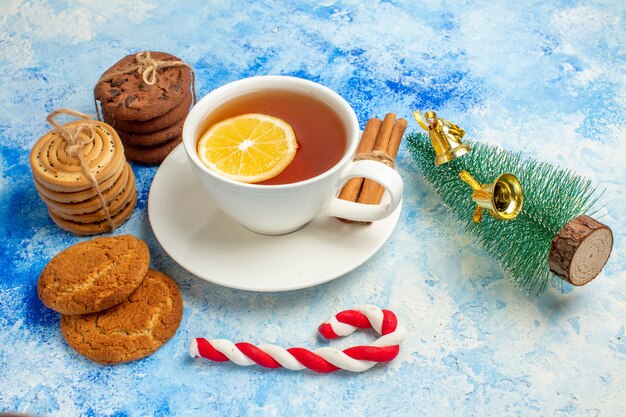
(282, 208)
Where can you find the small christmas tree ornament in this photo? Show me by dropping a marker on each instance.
(444, 136)
(503, 199)
(552, 234)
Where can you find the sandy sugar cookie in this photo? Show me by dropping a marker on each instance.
(131, 330)
(93, 275)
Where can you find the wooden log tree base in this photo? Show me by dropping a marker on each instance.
(580, 250)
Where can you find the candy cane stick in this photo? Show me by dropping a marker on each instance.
(326, 359)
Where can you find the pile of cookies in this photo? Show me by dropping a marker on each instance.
(64, 185)
(114, 309)
(148, 117)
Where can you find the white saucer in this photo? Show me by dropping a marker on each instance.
(207, 243)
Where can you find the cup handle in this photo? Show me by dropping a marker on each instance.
(375, 171)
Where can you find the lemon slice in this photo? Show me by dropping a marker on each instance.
(248, 148)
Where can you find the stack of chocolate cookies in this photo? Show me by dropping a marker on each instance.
(113, 308)
(68, 188)
(148, 117)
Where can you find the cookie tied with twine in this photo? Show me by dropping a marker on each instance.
(81, 173)
(144, 86)
(146, 98)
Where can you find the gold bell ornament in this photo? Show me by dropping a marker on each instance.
(445, 137)
(552, 236)
(503, 199)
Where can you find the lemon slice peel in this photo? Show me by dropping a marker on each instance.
(249, 148)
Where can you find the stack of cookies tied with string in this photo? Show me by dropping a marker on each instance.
(146, 98)
(81, 173)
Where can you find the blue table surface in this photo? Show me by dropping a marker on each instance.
(544, 78)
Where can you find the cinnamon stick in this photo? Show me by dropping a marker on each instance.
(372, 192)
(352, 188)
(380, 141)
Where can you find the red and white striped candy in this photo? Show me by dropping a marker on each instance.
(326, 359)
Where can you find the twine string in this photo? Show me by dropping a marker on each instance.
(146, 66)
(74, 149)
(379, 156)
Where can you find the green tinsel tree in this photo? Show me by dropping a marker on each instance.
(552, 198)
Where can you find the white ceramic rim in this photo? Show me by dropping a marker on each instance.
(274, 82)
(175, 173)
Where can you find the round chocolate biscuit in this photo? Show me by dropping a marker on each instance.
(94, 275)
(131, 330)
(128, 97)
(173, 116)
(151, 155)
(154, 138)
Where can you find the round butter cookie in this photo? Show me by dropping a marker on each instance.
(116, 180)
(115, 206)
(131, 330)
(102, 226)
(93, 275)
(92, 204)
(56, 170)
